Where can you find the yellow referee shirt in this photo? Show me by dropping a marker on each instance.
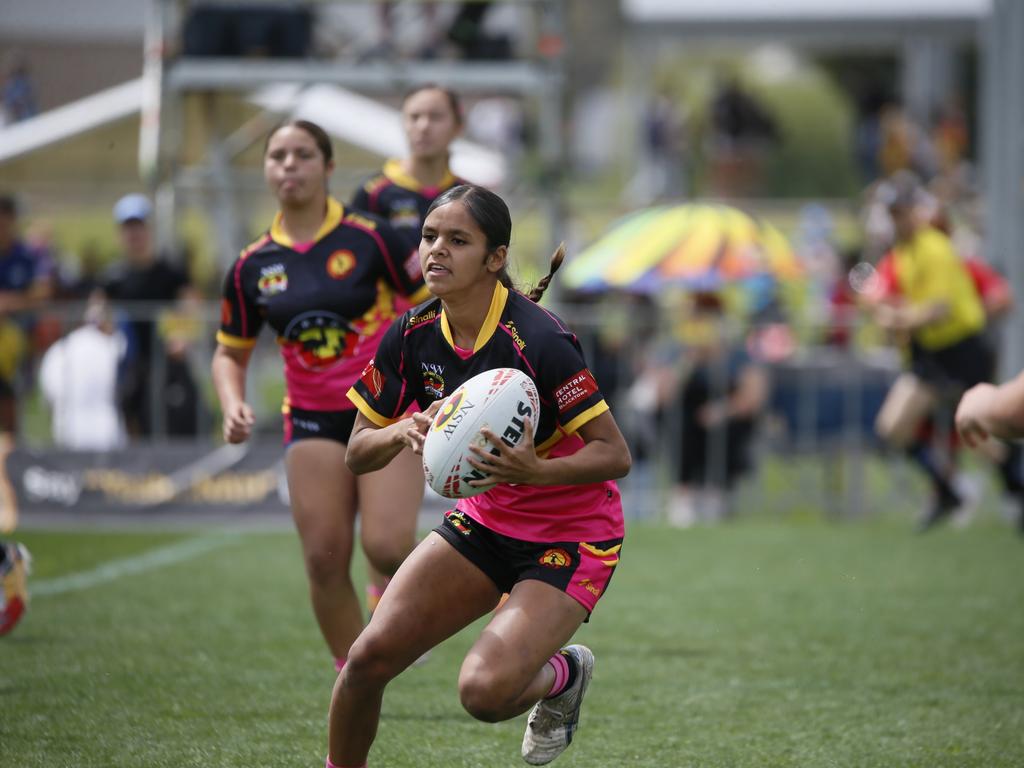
(929, 270)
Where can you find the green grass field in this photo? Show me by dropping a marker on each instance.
(757, 643)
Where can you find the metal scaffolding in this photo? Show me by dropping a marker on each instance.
(169, 76)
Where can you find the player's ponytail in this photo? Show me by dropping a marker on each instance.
(556, 261)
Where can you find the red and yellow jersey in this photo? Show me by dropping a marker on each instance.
(928, 269)
(396, 196)
(329, 301)
(418, 362)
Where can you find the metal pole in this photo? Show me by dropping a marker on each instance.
(1004, 187)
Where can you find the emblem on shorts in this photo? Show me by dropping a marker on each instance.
(458, 522)
(556, 558)
(588, 585)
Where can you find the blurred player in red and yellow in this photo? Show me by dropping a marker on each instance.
(926, 292)
(325, 279)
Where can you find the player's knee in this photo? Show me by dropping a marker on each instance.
(370, 664)
(484, 696)
(386, 556)
(326, 567)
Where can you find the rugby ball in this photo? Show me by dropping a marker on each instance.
(502, 400)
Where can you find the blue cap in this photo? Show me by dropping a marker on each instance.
(134, 207)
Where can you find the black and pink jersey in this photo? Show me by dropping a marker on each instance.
(329, 300)
(397, 197)
(418, 362)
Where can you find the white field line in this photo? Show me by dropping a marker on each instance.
(131, 566)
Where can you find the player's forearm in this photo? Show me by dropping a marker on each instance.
(228, 370)
(373, 448)
(595, 462)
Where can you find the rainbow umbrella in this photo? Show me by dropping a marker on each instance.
(695, 245)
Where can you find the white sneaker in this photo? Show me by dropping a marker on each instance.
(552, 722)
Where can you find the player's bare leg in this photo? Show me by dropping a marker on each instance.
(434, 594)
(323, 499)
(389, 505)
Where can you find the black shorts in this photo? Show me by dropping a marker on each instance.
(582, 570)
(300, 424)
(956, 367)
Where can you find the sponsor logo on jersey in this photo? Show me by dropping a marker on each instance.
(556, 558)
(516, 338)
(360, 221)
(225, 313)
(320, 339)
(340, 263)
(433, 379)
(575, 390)
(426, 317)
(373, 380)
(273, 279)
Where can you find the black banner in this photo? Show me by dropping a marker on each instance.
(185, 477)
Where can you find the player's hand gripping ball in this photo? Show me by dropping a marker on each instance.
(503, 400)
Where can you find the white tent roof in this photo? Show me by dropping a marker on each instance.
(352, 118)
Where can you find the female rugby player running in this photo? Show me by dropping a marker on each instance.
(549, 533)
(323, 278)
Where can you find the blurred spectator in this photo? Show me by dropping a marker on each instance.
(78, 378)
(742, 132)
(950, 135)
(897, 137)
(816, 251)
(19, 101)
(24, 286)
(156, 369)
(427, 24)
(473, 41)
(867, 133)
(721, 396)
(78, 280)
(842, 301)
(661, 172)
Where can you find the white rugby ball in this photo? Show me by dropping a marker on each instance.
(502, 400)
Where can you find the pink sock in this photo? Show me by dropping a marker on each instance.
(560, 664)
(332, 765)
(339, 663)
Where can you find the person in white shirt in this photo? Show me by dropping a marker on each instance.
(78, 377)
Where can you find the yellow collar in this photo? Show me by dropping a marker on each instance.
(333, 218)
(490, 323)
(395, 172)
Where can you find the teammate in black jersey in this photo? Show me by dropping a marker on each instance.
(325, 280)
(404, 189)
